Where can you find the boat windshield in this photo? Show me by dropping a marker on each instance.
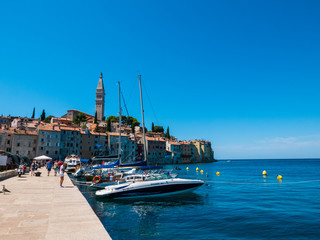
(158, 177)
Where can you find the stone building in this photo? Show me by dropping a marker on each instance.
(174, 148)
(69, 141)
(202, 150)
(49, 141)
(156, 151)
(187, 152)
(100, 94)
(92, 144)
(71, 115)
(5, 139)
(24, 143)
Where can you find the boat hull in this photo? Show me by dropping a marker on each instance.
(161, 189)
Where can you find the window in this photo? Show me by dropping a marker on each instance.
(56, 152)
(18, 144)
(42, 140)
(17, 152)
(8, 142)
(47, 152)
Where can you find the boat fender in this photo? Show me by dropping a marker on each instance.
(218, 173)
(97, 179)
(264, 172)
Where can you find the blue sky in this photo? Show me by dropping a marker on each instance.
(242, 74)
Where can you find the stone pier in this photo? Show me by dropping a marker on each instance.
(37, 208)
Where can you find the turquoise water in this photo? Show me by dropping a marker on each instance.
(238, 204)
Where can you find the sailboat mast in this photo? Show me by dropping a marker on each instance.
(119, 151)
(143, 128)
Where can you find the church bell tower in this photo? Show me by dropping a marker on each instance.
(100, 99)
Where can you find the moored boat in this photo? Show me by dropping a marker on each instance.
(140, 185)
(72, 162)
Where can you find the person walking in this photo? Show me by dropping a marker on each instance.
(33, 168)
(49, 166)
(61, 172)
(55, 168)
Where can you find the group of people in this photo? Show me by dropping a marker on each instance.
(57, 166)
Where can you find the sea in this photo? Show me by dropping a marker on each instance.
(240, 203)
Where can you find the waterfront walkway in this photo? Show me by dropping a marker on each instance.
(37, 208)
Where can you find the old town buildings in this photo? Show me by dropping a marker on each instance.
(64, 136)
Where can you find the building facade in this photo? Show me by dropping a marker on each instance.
(174, 148)
(69, 142)
(49, 141)
(187, 152)
(24, 143)
(156, 151)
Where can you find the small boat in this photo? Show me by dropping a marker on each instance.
(72, 162)
(140, 185)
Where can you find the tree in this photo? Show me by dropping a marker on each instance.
(167, 135)
(96, 118)
(158, 129)
(48, 119)
(33, 113)
(152, 127)
(43, 115)
(81, 117)
(108, 125)
(104, 118)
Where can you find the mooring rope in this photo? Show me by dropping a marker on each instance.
(264, 183)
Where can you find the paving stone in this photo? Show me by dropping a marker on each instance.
(37, 208)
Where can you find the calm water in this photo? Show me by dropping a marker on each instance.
(238, 204)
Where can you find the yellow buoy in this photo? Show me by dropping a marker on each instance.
(201, 171)
(279, 177)
(197, 169)
(187, 168)
(264, 172)
(217, 173)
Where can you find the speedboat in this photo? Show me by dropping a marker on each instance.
(140, 185)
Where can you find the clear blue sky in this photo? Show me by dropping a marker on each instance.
(243, 74)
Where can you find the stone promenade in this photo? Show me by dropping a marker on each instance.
(37, 208)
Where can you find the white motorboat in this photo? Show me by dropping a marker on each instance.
(140, 185)
(72, 162)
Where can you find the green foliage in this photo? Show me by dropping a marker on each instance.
(104, 118)
(152, 127)
(81, 117)
(33, 113)
(43, 115)
(113, 119)
(96, 118)
(48, 119)
(167, 135)
(158, 129)
(130, 121)
(108, 124)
